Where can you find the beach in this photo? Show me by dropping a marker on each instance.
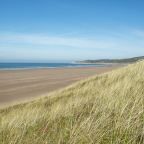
(21, 85)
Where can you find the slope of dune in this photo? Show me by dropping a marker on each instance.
(105, 109)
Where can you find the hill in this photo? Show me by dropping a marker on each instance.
(128, 60)
(105, 109)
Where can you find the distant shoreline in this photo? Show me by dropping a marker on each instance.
(102, 63)
(83, 62)
(112, 61)
(34, 66)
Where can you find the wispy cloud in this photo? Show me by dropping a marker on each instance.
(139, 33)
(70, 46)
(56, 40)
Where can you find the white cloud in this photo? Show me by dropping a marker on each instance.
(139, 33)
(38, 46)
(57, 41)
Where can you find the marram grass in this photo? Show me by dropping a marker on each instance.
(105, 109)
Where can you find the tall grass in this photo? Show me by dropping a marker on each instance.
(105, 109)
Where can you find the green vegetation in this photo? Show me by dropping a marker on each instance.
(105, 109)
(128, 60)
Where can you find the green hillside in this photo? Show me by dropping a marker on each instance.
(105, 109)
(127, 60)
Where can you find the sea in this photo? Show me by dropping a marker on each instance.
(14, 66)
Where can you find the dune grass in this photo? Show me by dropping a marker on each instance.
(105, 109)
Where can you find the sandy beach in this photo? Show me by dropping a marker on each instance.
(20, 85)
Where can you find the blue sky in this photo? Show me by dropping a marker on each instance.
(51, 30)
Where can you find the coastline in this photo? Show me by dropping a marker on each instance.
(106, 64)
(23, 85)
(34, 66)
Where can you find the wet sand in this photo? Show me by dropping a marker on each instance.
(20, 85)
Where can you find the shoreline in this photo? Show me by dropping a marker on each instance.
(76, 65)
(43, 68)
(111, 64)
(23, 85)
